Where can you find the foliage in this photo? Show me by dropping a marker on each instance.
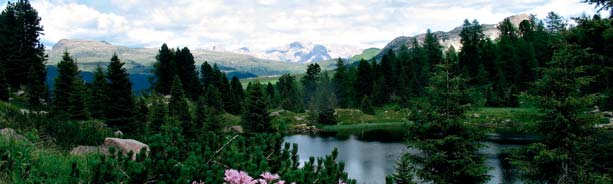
(255, 118)
(567, 130)
(449, 148)
(121, 113)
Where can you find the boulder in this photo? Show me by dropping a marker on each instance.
(118, 133)
(235, 129)
(81, 150)
(124, 145)
(11, 134)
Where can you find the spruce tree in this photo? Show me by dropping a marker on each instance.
(142, 111)
(386, 81)
(179, 108)
(256, 119)
(67, 102)
(342, 85)
(289, 95)
(201, 114)
(555, 23)
(36, 90)
(164, 70)
(21, 51)
(471, 37)
(238, 95)
(213, 97)
(186, 70)
(404, 171)
(271, 95)
(432, 49)
(158, 115)
(207, 75)
(364, 80)
(121, 113)
(449, 148)
(567, 128)
(213, 109)
(326, 101)
(602, 5)
(98, 100)
(310, 81)
(78, 106)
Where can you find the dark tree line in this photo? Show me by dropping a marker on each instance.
(22, 55)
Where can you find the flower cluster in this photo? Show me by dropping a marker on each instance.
(239, 177)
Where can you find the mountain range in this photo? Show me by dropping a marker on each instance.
(245, 62)
(90, 54)
(450, 38)
(302, 52)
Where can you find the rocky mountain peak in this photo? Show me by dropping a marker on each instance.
(450, 38)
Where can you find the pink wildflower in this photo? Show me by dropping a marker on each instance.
(269, 177)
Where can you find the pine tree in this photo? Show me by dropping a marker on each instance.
(433, 50)
(256, 119)
(386, 81)
(36, 90)
(141, 112)
(201, 114)
(207, 75)
(326, 101)
(164, 70)
(98, 100)
(342, 84)
(121, 113)
(471, 38)
(289, 96)
(404, 171)
(186, 70)
(214, 100)
(566, 127)
(449, 148)
(21, 51)
(555, 23)
(364, 80)
(212, 110)
(238, 96)
(158, 115)
(602, 4)
(271, 95)
(179, 108)
(67, 101)
(310, 81)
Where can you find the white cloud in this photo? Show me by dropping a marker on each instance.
(266, 23)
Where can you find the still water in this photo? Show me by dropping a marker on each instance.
(369, 161)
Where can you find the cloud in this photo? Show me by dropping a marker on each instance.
(261, 24)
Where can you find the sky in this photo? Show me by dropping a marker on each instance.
(262, 24)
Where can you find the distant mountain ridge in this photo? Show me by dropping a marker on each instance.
(90, 54)
(450, 38)
(302, 52)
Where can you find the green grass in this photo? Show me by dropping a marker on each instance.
(505, 119)
(365, 127)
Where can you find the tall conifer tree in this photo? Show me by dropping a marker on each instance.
(121, 113)
(164, 70)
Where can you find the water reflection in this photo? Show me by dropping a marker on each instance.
(370, 161)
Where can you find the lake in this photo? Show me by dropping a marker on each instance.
(370, 161)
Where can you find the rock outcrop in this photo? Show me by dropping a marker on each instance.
(124, 146)
(11, 134)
